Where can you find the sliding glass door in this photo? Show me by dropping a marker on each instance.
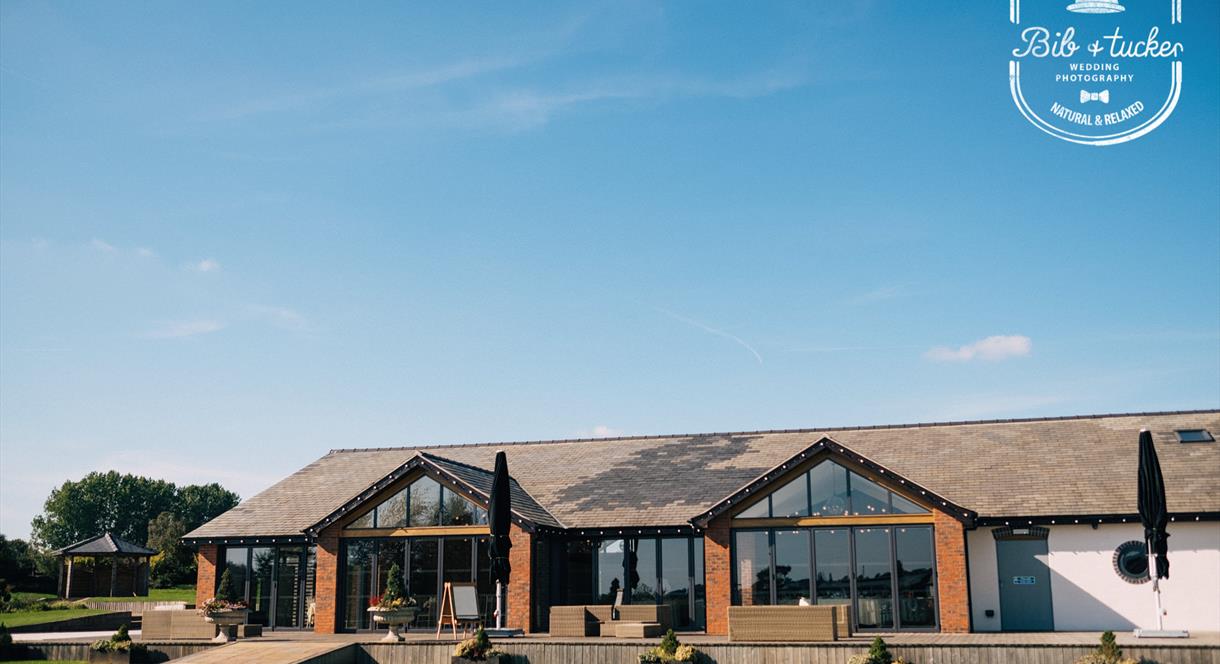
(271, 580)
(884, 575)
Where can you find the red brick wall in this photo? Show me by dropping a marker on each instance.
(519, 600)
(951, 573)
(326, 583)
(717, 577)
(205, 577)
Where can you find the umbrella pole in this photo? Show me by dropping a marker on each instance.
(499, 606)
(1156, 588)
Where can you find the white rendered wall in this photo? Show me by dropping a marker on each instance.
(984, 580)
(1088, 595)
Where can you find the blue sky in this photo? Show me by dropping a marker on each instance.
(234, 235)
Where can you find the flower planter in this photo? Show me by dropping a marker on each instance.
(494, 659)
(393, 619)
(225, 620)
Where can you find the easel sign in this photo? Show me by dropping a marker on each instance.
(459, 605)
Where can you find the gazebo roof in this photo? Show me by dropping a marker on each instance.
(105, 544)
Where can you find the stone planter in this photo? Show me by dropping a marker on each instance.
(393, 619)
(225, 620)
(494, 659)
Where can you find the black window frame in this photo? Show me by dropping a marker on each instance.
(848, 510)
(735, 596)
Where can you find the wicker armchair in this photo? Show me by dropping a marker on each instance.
(572, 621)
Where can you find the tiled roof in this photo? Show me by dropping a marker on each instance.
(105, 543)
(1037, 467)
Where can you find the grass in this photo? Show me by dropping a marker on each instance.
(32, 596)
(22, 618)
(175, 594)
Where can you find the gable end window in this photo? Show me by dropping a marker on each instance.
(829, 489)
(424, 503)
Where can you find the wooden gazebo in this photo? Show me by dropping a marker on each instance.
(103, 566)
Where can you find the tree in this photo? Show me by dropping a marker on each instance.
(26, 567)
(225, 590)
(200, 503)
(174, 563)
(122, 505)
(101, 502)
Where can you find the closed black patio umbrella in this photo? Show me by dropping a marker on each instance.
(1154, 514)
(499, 516)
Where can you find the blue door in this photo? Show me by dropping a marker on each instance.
(1025, 585)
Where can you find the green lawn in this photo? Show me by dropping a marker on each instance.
(46, 661)
(175, 594)
(32, 596)
(20, 618)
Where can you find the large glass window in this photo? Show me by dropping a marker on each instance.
(289, 584)
(753, 567)
(424, 503)
(699, 614)
(874, 592)
(675, 580)
(854, 567)
(829, 489)
(261, 575)
(791, 566)
(237, 562)
(642, 570)
(393, 512)
(580, 581)
(609, 570)
(357, 582)
(828, 484)
(792, 499)
(916, 597)
(832, 556)
(422, 568)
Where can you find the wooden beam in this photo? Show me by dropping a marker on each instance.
(422, 531)
(807, 521)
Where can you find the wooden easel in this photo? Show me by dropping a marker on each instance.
(459, 605)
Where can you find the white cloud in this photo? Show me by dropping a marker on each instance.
(994, 348)
(102, 245)
(712, 330)
(185, 328)
(205, 265)
(603, 431)
(281, 316)
(145, 252)
(879, 294)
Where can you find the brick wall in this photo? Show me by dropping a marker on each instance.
(717, 576)
(519, 600)
(951, 573)
(205, 578)
(326, 583)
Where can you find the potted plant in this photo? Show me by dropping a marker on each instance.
(225, 609)
(118, 648)
(393, 608)
(878, 653)
(478, 649)
(1107, 653)
(669, 650)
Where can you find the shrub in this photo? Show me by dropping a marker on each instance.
(1107, 652)
(225, 590)
(477, 648)
(878, 653)
(669, 650)
(120, 641)
(394, 596)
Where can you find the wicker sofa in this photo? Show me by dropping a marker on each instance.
(784, 623)
(599, 619)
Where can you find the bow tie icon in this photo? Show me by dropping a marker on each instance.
(1103, 96)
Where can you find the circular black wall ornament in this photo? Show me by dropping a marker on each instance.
(1131, 562)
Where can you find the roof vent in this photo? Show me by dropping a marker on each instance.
(1194, 436)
